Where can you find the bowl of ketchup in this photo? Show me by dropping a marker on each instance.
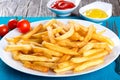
(63, 7)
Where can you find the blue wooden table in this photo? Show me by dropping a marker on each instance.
(106, 73)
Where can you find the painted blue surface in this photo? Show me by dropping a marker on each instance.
(107, 73)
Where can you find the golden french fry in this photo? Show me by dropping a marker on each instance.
(51, 35)
(35, 67)
(108, 49)
(59, 48)
(67, 34)
(47, 51)
(37, 49)
(65, 58)
(88, 64)
(80, 44)
(18, 47)
(102, 39)
(76, 36)
(11, 40)
(45, 33)
(46, 64)
(36, 44)
(67, 68)
(45, 38)
(90, 57)
(68, 43)
(64, 64)
(100, 45)
(92, 51)
(60, 24)
(86, 48)
(57, 26)
(49, 23)
(93, 41)
(37, 58)
(75, 49)
(14, 40)
(79, 26)
(61, 70)
(65, 43)
(37, 54)
(29, 41)
(57, 34)
(15, 55)
(91, 29)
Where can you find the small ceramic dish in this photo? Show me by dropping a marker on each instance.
(63, 13)
(106, 7)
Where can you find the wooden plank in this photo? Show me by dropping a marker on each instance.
(7, 8)
(43, 11)
(22, 8)
(116, 7)
(11, 8)
(21, 11)
(33, 8)
(38, 7)
(76, 11)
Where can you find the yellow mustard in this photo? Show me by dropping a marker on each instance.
(96, 13)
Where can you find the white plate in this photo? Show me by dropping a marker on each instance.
(6, 56)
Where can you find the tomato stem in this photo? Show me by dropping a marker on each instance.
(16, 18)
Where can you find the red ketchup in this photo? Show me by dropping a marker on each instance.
(62, 5)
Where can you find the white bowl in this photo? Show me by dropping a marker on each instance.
(65, 12)
(107, 7)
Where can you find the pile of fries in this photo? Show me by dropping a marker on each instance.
(60, 47)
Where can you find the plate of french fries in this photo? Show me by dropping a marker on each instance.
(60, 48)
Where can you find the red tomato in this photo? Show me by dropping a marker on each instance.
(61, 4)
(3, 30)
(12, 24)
(23, 26)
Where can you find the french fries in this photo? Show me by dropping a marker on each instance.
(91, 30)
(60, 47)
(90, 57)
(46, 64)
(67, 34)
(35, 66)
(50, 34)
(87, 64)
(37, 58)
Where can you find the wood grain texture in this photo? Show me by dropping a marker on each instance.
(36, 8)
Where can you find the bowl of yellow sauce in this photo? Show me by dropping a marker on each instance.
(97, 11)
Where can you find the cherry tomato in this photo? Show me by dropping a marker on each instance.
(12, 24)
(3, 30)
(23, 26)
